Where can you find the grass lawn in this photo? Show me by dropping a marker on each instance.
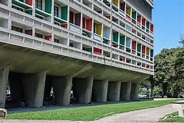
(173, 117)
(88, 113)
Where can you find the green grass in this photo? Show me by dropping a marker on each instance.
(173, 117)
(88, 113)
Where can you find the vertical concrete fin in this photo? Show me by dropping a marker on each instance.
(4, 73)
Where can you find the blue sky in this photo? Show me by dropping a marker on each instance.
(168, 19)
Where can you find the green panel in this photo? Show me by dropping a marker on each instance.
(139, 46)
(105, 1)
(22, 5)
(148, 25)
(122, 40)
(115, 36)
(29, 12)
(48, 6)
(134, 15)
(64, 12)
(89, 50)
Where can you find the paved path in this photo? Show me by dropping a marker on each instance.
(142, 116)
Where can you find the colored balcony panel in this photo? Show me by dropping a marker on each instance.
(122, 40)
(134, 45)
(77, 19)
(148, 51)
(139, 47)
(48, 37)
(134, 15)
(87, 23)
(148, 25)
(98, 28)
(143, 22)
(115, 37)
(116, 2)
(122, 58)
(128, 42)
(122, 6)
(151, 53)
(23, 4)
(143, 49)
(97, 51)
(64, 13)
(48, 6)
(107, 2)
(152, 28)
(29, 31)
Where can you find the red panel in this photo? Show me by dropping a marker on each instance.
(128, 17)
(48, 37)
(97, 51)
(89, 24)
(152, 28)
(143, 49)
(78, 19)
(71, 17)
(139, 19)
(64, 25)
(29, 2)
(84, 22)
(108, 17)
(134, 44)
(144, 22)
(122, 58)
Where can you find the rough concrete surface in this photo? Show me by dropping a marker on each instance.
(142, 116)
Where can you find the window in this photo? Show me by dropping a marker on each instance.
(56, 11)
(56, 40)
(17, 29)
(39, 16)
(18, 8)
(38, 35)
(39, 4)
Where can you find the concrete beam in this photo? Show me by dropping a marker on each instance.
(4, 72)
(83, 89)
(125, 91)
(62, 89)
(34, 86)
(114, 91)
(100, 90)
(134, 91)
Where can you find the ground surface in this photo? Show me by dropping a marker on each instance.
(142, 116)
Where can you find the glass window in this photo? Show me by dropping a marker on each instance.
(56, 11)
(38, 4)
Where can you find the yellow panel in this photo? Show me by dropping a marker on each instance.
(116, 2)
(129, 11)
(99, 29)
(148, 52)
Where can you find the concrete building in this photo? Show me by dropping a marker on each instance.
(100, 49)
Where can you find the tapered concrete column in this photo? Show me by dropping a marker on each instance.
(100, 90)
(125, 91)
(34, 86)
(114, 91)
(134, 91)
(83, 89)
(4, 72)
(62, 89)
(16, 87)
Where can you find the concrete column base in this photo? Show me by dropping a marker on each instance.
(100, 90)
(114, 91)
(125, 91)
(83, 89)
(4, 72)
(62, 89)
(34, 86)
(134, 91)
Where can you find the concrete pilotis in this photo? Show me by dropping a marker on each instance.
(34, 86)
(125, 91)
(100, 90)
(134, 91)
(114, 91)
(4, 72)
(62, 89)
(83, 89)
